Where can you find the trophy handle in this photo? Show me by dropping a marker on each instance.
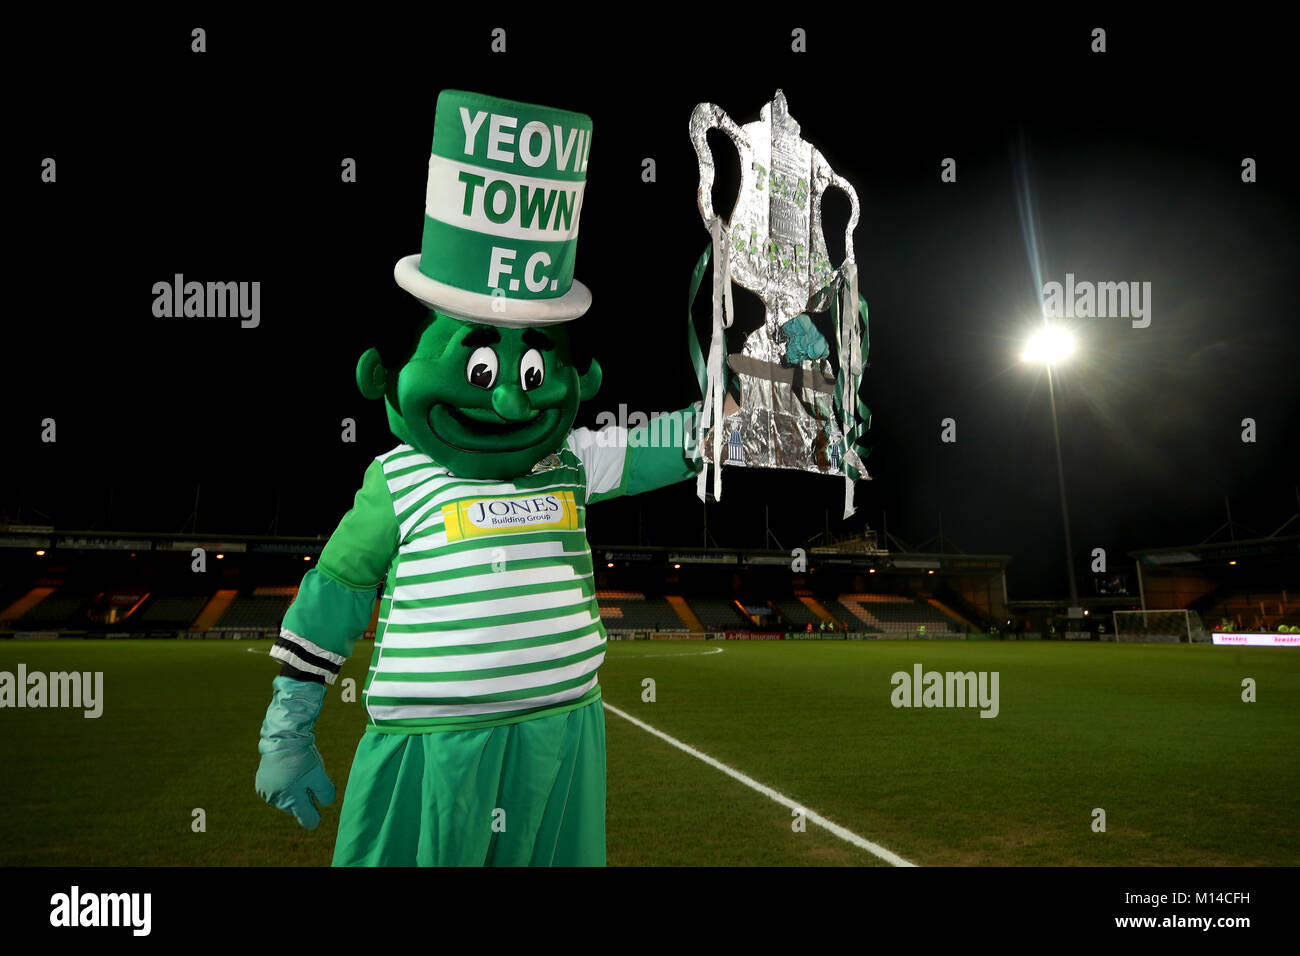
(833, 180)
(707, 116)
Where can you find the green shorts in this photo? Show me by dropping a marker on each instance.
(524, 794)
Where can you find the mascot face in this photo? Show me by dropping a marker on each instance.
(481, 400)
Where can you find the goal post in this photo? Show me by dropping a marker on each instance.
(1159, 627)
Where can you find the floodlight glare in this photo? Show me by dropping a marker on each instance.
(1049, 346)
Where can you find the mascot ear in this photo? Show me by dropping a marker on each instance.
(372, 377)
(589, 382)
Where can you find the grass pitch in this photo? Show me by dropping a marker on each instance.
(1156, 735)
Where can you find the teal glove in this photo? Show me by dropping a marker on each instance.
(803, 341)
(292, 772)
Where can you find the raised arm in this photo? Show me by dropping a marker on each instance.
(628, 461)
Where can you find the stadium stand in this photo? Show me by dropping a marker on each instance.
(684, 613)
(113, 586)
(20, 600)
(633, 611)
(62, 608)
(11, 592)
(255, 611)
(843, 615)
(897, 614)
(719, 613)
(1250, 609)
(796, 613)
(173, 610)
(965, 624)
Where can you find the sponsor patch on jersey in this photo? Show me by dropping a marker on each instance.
(549, 463)
(540, 511)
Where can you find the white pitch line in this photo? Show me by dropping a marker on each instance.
(848, 836)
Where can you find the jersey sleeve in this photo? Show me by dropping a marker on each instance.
(336, 598)
(627, 461)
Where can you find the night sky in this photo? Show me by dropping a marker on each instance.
(224, 166)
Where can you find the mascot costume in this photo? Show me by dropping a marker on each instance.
(485, 735)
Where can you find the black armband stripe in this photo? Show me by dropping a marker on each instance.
(288, 647)
(288, 670)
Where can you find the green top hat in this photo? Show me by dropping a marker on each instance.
(501, 213)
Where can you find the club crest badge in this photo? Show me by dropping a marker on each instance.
(549, 463)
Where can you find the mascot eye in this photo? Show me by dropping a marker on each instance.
(482, 368)
(532, 370)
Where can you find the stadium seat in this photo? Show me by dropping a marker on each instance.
(719, 614)
(170, 610)
(633, 611)
(263, 612)
(796, 613)
(895, 614)
(61, 609)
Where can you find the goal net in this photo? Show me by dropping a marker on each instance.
(1170, 627)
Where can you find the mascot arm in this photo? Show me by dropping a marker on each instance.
(336, 598)
(622, 461)
(332, 609)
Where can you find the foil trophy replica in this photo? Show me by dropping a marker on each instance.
(794, 411)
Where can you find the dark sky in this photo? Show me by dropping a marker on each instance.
(225, 166)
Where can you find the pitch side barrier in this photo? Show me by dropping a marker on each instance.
(211, 634)
(876, 636)
(625, 635)
(239, 634)
(268, 634)
(245, 634)
(236, 634)
(64, 634)
(231, 634)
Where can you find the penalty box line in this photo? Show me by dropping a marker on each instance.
(848, 836)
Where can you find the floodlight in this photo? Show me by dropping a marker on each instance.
(1049, 346)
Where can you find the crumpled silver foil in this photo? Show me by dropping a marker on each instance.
(777, 249)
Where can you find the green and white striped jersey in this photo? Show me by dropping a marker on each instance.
(489, 612)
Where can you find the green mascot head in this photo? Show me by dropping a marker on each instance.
(492, 385)
(482, 401)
